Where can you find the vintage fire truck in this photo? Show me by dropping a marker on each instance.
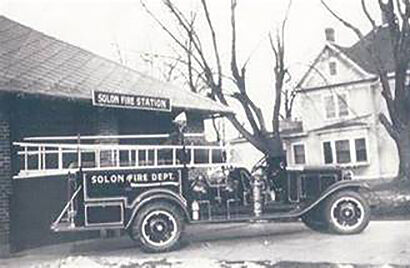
(153, 191)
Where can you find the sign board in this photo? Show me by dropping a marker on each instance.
(118, 100)
(119, 183)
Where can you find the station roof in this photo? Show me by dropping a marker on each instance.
(34, 63)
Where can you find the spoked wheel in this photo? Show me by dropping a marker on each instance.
(347, 212)
(158, 227)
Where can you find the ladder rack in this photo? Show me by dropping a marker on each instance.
(48, 156)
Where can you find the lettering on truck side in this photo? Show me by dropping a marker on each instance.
(132, 178)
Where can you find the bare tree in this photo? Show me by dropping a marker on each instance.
(208, 68)
(396, 17)
(289, 96)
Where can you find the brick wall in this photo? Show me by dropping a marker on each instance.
(5, 177)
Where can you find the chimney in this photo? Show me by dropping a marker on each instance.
(330, 35)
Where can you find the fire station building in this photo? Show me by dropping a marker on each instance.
(51, 88)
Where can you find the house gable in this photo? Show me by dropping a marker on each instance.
(332, 67)
(329, 96)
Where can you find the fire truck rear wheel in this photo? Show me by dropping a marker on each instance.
(158, 227)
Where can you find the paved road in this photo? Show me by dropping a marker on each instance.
(383, 242)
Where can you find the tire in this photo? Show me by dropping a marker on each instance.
(314, 219)
(346, 212)
(158, 227)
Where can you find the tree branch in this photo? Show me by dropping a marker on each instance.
(343, 21)
(248, 112)
(165, 29)
(218, 135)
(368, 16)
(399, 9)
(275, 52)
(389, 127)
(234, 65)
(195, 40)
(284, 23)
(214, 44)
(239, 78)
(279, 71)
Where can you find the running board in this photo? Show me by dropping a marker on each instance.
(244, 218)
(67, 227)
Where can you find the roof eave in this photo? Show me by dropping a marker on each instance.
(83, 99)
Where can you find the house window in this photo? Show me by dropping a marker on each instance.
(299, 154)
(332, 68)
(330, 107)
(336, 105)
(327, 150)
(342, 151)
(361, 152)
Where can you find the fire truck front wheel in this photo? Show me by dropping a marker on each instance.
(347, 212)
(158, 227)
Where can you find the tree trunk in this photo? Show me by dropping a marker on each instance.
(274, 147)
(403, 146)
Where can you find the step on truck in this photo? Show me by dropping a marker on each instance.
(153, 191)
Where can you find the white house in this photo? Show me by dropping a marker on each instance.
(338, 102)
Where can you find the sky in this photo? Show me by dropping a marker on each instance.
(122, 30)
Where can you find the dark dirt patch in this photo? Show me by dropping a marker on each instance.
(389, 199)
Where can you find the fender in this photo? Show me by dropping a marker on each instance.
(338, 186)
(156, 194)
